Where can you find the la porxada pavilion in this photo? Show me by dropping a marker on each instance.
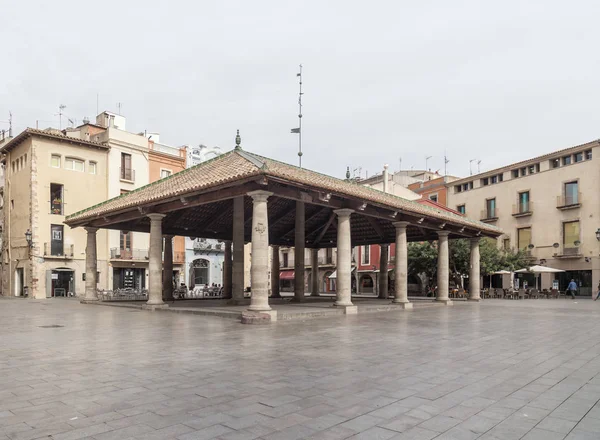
(241, 197)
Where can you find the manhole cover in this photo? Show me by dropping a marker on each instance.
(50, 326)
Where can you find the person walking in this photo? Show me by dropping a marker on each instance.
(572, 288)
(598, 294)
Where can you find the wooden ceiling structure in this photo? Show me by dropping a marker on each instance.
(198, 202)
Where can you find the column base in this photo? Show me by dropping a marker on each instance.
(155, 306)
(447, 302)
(474, 299)
(403, 305)
(261, 309)
(315, 295)
(259, 318)
(89, 300)
(349, 309)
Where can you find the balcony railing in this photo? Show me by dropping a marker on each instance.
(523, 209)
(64, 251)
(568, 201)
(569, 252)
(489, 215)
(206, 246)
(128, 254)
(127, 174)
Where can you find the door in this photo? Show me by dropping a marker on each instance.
(56, 239)
(128, 278)
(19, 281)
(125, 245)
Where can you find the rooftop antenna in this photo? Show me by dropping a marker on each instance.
(119, 106)
(97, 104)
(298, 130)
(400, 163)
(427, 160)
(71, 121)
(60, 114)
(478, 166)
(470, 169)
(10, 123)
(446, 160)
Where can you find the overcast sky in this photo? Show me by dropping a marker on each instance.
(496, 81)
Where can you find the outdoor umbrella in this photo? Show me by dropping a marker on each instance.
(538, 269)
(498, 272)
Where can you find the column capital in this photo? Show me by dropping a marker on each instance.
(91, 229)
(401, 225)
(168, 237)
(343, 212)
(155, 217)
(443, 233)
(260, 195)
(384, 245)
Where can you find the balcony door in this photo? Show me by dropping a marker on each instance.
(490, 205)
(571, 193)
(56, 239)
(125, 245)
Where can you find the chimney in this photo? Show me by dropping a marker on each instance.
(385, 178)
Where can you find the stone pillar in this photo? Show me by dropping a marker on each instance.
(344, 261)
(155, 263)
(91, 266)
(168, 269)
(299, 244)
(275, 293)
(314, 261)
(260, 253)
(443, 269)
(401, 266)
(227, 270)
(383, 270)
(474, 273)
(237, 281)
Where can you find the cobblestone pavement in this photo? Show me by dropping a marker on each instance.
(495, 370)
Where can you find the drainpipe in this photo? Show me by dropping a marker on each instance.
(385, 178)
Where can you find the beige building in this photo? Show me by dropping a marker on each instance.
(47, 177)
(547, 206)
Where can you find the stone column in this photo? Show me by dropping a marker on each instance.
(237, 281)
(275, 293)
(443, 270)
(91, 265)
(344, 262)
(168, 269)
(474, 273)
(383, 270)
(299, 244)
(155, 264)
(227, 270)
(260, 253)
(314, 261)
(401, 266)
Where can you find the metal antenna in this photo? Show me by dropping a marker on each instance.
(119, 106)
(298, 130)
(60, 113)
(478, 166)
(470, 169)
(426, 160)
(446, 160)
(10, 123)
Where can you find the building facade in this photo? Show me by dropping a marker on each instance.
(548, 207)
(326, 259)
(47, 177)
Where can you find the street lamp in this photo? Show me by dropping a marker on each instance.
(598, 234)
(28, 237)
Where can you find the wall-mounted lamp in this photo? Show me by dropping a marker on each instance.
(28, 237)
(598, 234)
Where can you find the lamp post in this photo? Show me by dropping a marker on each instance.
(28, 237)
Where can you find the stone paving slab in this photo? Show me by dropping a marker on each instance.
(491, 370)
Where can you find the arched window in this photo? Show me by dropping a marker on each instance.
(200, 271)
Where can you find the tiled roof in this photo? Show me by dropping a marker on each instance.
(28, 132)
(239, 164)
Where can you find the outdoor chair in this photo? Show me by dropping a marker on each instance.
(534, 293)
(499, 293)
(554, 294)
(521, 294)
(460, 293)
(508, 294)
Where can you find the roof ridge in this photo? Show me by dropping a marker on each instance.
(252, 158)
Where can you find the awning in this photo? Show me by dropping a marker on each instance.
(334, 274)
(286, 275)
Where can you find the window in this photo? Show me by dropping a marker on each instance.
(485, 181)
(73, 164)
(433, 197)
(571, 193)
(515, 173)
(566, 160)
(125, 244)
(500, 177)
(366, 255)
(537, 167)
(531, 169)
(494, 179)
(506, 244)
(126, 171)
(571, 235)
(578, 157)
(523, 171)
(524, 238)
(457, 188)
(523, 202)
(554, 163)
(588, 155)
(92, 167)
(56, 199)
(329, 256)
(56, 240)
(165, 173)
(490, 206)
(286, 261)
(462, 209)
(55, 161)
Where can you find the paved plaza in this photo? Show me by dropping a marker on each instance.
(492, 370)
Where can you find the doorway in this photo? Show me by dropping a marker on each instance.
(19, 281)
(61, 283)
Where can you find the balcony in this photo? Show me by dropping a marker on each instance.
(127, 174)
(489, 215)
(61, 252)
(324, 260)
(569, 252)
(201, 247)
(571, 201)
(522, 209)
(129, 254)
(178, 257)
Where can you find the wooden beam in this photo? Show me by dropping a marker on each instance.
(311, 217)
(325, 228)
(376, 226)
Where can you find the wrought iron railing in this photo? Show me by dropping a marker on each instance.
(64, 251)
(128, 254)
(127, 174)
